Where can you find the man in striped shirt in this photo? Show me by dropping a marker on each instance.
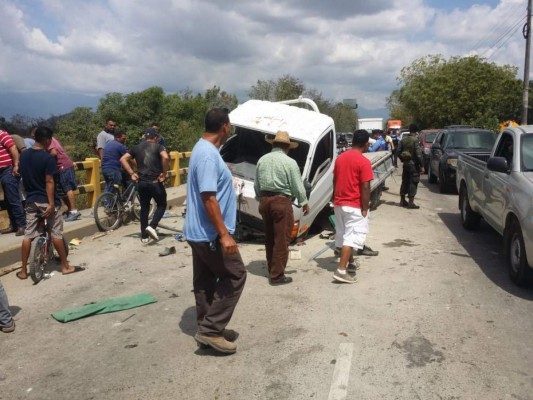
(277, 181)
(9, 177)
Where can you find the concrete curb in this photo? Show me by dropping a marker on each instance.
(85, 226)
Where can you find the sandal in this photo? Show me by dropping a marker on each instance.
(21, 277)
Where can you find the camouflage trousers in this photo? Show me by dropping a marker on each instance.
(410, 179)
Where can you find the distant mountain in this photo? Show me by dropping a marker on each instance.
(373, 113)
(43, 104)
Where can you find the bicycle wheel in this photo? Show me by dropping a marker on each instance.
(107, 211)
(56, 254)
(137, 207)
(38, 259)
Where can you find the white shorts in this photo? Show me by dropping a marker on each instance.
(351, 227)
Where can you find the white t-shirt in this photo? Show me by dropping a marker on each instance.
(103, 138)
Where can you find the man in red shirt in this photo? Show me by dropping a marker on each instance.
(351, 198)
(9, 177)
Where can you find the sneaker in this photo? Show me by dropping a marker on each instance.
(10, 328)
(151, 231)
(73, 216)
(367, 251)
(352, 267)
(145, 240)
(412, 206)
(20, 232)
(345, 278)
(216, 342)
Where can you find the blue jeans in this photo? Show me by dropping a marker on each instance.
(147, 192)
(111, 177)
(10, 185)
(5, 313)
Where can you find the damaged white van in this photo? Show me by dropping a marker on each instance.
(315, 132)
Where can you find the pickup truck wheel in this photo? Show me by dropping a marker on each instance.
(519, 270)
(469, 218)
(431, 178)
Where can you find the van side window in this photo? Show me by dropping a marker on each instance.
(505, 148)
(323, 153)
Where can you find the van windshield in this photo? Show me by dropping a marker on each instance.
(248, 146)
(470, 140)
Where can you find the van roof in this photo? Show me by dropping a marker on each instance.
(270, 117)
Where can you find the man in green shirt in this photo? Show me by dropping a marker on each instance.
(277, 181)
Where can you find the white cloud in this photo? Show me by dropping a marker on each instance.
(348, 48)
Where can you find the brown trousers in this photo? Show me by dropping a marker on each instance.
(218, 281)
(279, 220)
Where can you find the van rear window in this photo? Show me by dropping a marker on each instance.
(248, 145)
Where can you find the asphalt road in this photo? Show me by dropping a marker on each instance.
(434, 316)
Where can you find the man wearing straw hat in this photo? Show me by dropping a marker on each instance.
(277, 181)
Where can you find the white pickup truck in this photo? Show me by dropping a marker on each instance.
(498, 187)
(315, 132)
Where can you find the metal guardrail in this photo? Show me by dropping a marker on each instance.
(92, 168)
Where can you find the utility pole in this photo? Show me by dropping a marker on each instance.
(527, 35)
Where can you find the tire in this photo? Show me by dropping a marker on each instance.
(519, 271)
(56, 254)
(443, 186)
(137, 207)
(38, 259)
(375, 197)
(107, 212)
(469, 218)
(431, 178)
(66, 246)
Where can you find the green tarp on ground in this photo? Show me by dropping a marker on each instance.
(104, 307)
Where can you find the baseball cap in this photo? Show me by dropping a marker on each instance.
(150, 133)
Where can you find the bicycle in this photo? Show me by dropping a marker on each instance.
(113, 209)
(42, 251)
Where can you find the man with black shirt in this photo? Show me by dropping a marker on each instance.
(152, 164)
(38, 168)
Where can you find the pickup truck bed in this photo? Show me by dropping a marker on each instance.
(498, 187)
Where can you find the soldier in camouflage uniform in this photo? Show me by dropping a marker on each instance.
(410, 154)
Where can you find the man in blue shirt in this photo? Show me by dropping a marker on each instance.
(380, 143)
(111, 168)
(218, 270)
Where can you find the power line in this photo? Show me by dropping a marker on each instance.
(503, 43)
(505, 36)
(497, 28)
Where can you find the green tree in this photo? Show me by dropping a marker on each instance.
(461, 90)
(219, 98)
(77, 132)
(284, 88)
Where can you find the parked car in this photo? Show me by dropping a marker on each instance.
(402, 133)
(426, 137)
(498, 186)
(444, 150)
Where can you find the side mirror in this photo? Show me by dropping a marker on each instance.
(308, 188)
(436, 146)
(498, 164)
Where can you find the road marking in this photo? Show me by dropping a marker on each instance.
(341, 373)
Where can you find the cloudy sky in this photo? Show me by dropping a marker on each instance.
(343, 48)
